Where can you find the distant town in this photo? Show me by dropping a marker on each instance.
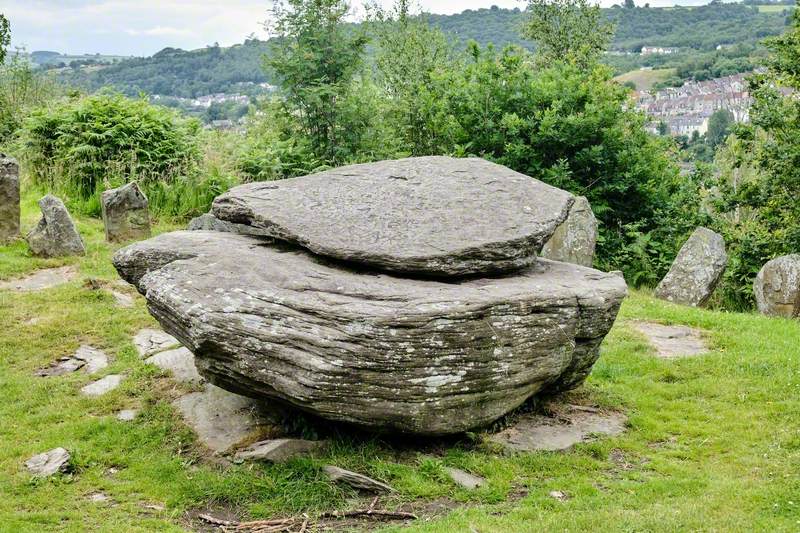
(686, 109)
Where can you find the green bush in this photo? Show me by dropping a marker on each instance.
(82, 146)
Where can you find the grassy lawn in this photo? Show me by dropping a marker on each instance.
(713, 442)
(645, 79)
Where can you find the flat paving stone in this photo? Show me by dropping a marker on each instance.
(95, 360)
(180, 362)
(221, 419)
(543, 433)
(127, 415)
(64, 365)
(41, 279)
(103, 385)
(464, 479)
(672, 341)
(151, 341)
(48, 463)
(122, 300)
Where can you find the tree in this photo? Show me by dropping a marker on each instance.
(629, 4)
(409, 52)
(316, 61)
(719, 126)
(5, 37)
(575, 31)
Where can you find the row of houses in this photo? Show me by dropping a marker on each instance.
(688, 108)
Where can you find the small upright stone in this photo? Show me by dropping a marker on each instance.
(9, 198)
(55, 235)
(575, 239)
(777, 287)
(696, 270)
(125, 213)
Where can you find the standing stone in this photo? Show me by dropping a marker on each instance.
(9, 198)
(777, 287)
(125, 213)
(696, 270)
(55, 235)
(575, 239)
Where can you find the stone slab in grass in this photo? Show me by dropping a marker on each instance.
(180, 362)
(223, 420)
(279, 450)
(41, 279)
(355, 480)
(48, 463)
(103, 385)
(672, 341)
(90, 359)
(127, 415)
(122, 300)
(464, 479)
(151, 341)
(535, 432)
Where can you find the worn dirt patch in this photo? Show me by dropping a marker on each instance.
(672, 341)
(41, 279)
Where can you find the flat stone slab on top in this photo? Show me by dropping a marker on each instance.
(433, 215)
(415, 355)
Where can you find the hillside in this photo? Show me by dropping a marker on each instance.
(696, 31)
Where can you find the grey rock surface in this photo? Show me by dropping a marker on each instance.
(103, 385)
(575, 239)
(222, 420)
(151, 341)
(355, 480)
(48, 463)
(208, 222)
(126, 214)
(426, 215)
(41, 279)
(180, 362)
(463, 479)
(55, 235)
(127, 415)
(9, 198)
(94, 359)
(672, 341)
(279, 450)
(414, 355)
(541, 433)
(697, 269)
(777, 287)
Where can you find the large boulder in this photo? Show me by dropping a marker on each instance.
(435, 216)
(418, 355)
(55, 235)
(777, 287)
(697, 269)
(9, 198)
(575, 239)
(126, 214)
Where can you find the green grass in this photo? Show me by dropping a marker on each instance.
(713, 442)
(645, 79)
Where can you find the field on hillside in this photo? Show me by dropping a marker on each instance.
(772, 8)
(645, 79)
(712, 444)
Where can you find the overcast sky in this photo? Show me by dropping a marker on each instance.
(143, 27)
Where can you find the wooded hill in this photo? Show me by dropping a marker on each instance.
(696, 30)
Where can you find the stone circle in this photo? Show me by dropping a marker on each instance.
(9, 198)
(55, 235)
(126, 214)
(575, 239)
